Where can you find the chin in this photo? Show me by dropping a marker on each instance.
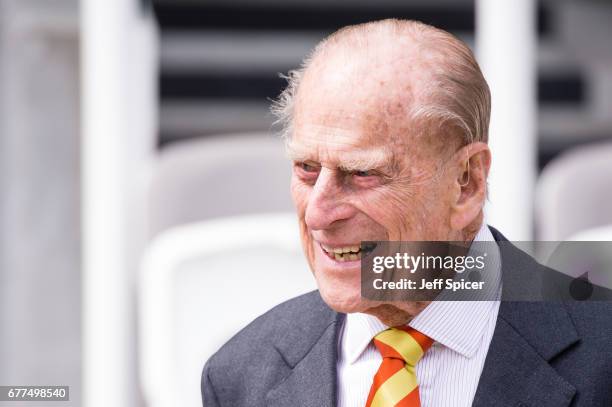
(344, 301)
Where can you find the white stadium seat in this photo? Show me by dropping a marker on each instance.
(218, 176)
(574, 192)
(199, 284)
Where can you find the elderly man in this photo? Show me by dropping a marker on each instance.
(386, 124)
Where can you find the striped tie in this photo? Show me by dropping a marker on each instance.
(395, 383)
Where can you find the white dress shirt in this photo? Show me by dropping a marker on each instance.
(449, 372)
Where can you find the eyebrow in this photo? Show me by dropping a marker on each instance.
(356, 160)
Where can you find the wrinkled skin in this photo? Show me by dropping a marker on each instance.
(363, 171)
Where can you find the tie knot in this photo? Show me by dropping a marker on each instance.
(403, 343)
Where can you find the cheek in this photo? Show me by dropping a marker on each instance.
(392, 209)
(299, 194)
(401, 210)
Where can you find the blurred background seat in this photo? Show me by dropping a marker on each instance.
(218, 176)
(199, 284)
(574, 192)
(597, 234)
(584, 254)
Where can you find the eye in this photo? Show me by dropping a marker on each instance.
(365, 173)
(306, 171)
(366, 178)
(308, 167)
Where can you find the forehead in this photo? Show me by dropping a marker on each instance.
(338, 146)
(365, 95)
(330, 120)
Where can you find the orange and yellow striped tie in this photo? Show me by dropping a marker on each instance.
(395, 382)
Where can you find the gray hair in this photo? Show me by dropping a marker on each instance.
(456, 97)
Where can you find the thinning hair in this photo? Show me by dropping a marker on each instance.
(455, 98)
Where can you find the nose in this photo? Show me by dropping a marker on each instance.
(327, 203)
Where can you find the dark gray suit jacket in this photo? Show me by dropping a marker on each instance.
(542, 354)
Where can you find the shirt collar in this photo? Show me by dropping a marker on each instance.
(458, 325)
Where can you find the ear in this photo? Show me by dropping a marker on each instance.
(472, 163)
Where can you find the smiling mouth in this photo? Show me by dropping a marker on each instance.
(347, 253)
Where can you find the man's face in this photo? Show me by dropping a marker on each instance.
(361, 172)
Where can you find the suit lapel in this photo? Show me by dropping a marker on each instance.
(527, 336)
(515, 374)
(312, 379)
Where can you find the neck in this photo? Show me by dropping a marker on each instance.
(397, 314)
(468, 233)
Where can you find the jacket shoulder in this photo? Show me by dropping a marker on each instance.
(255, 359)
(272, 326)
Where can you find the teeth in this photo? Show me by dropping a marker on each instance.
(340, 250)
(346, 253)
(347, 256)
